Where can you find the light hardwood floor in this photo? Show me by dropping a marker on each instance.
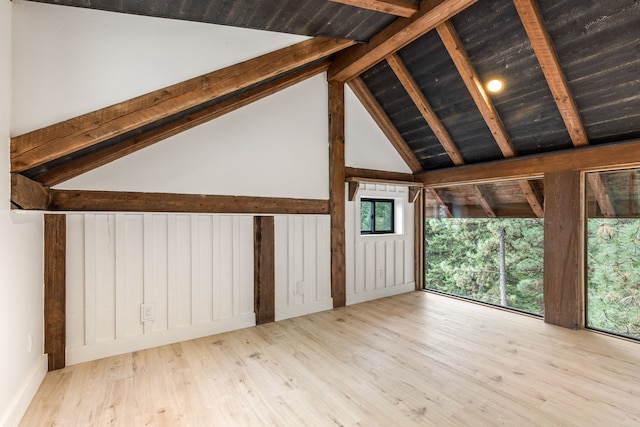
(414, 359)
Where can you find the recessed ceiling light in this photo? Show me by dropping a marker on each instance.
(495, 85)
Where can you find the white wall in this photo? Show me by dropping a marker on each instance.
(22, 363)
(69, 61)
(365, 145)
(195, 270)
(378, 266)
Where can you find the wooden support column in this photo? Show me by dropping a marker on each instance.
(264, 269)
(564, 249)
(55, 243)
(337, 193)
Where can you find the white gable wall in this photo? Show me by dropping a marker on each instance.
(71, 61)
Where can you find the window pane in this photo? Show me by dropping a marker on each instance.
(463, 257)
(613, 249)
(365, 216)
(384, 216)
(472, 254)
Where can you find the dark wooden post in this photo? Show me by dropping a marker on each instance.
(55, 243)
(337, 192)
(264, 269)
(564, 249)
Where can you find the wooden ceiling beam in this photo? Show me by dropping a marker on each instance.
(380, 117)
(550, 65)
(485, 200)
(441, 204)
(623, 155)
(53, 142)
(89, 162)
(373, 174)
(118, 201)
(599, 189)
(404, 8)
(420, 101)
(471, 79)
(544, 51)
(394, 37)
(533, 198)
(28, 194)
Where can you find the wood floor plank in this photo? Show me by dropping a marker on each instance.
(414, 359)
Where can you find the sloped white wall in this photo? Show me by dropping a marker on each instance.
(22, 363)
(379, 265)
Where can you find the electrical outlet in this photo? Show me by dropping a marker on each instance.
(147, 313)
(380, 274)
(300, 288)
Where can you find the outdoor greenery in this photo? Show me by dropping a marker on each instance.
(613, 269)
(463, 257)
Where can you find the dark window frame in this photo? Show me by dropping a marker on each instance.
(373, 230)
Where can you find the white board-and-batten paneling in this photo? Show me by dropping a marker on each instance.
(196, 271)
(302, 265)
(378, 266)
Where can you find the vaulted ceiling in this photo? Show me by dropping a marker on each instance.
(571, 73)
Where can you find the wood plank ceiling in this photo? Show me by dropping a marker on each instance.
(571, 70)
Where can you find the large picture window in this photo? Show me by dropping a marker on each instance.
(376, 216)
(489, 250)
(613, 252)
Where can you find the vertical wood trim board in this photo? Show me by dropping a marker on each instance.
(564, 249)
(55, 234)
(381, 265)
(264, 269)
(337, 192)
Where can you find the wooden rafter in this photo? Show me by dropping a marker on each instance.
(398, 34)
(592, 158)
(543, 48)
(86, 163)
(53, 142)
(441, 133)
(380, 117)
(550, 65)
(402, 8)
(418, 98)
(436, 196)
(471, 79)
(600, 192)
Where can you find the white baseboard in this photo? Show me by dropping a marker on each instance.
(380, 293)
(303, 309)
(109, 348)
(18, 406)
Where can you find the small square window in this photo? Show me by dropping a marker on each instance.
(376, 216)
